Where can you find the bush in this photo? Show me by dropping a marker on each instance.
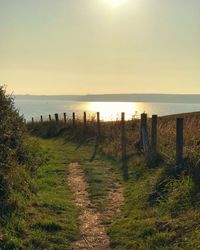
(19, 159)
(34, 154)
(12, 132)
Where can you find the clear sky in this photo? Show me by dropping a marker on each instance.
(100, 46)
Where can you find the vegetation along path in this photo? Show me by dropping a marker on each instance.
(79, 217)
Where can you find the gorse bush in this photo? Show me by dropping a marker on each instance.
(19, 158)
(12, 132)
(34, 155)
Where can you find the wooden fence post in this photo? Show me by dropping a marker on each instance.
(98, 125)
(50, 118)
(73, 119)
(154, 134)
(144, 136)
(179, 141)
(65, 118)
(84, 119)
(123, 136)
(142, 123)
(123, 146)
(41, 118)
(56, 117)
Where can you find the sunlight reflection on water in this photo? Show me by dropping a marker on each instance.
(109, 110)
(112, 110)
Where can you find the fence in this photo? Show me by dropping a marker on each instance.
(149, 145)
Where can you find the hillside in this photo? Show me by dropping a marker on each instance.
(161, 206)
(59, 178)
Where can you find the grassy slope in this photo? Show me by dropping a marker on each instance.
(168, 222)
(53, 216)
(149, 220)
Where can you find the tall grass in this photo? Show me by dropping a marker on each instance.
(111, 134)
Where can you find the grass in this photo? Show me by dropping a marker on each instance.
(111, 134)
(169, 221)
(161, 209)
(53, 217)
(50, 220)
(153, 219)
(101, 174)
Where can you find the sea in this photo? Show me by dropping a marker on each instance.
(109, 110)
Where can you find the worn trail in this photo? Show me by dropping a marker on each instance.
(92, 232)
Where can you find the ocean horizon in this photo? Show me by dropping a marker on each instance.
(110, 106)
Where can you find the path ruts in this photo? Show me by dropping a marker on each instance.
(92, 232)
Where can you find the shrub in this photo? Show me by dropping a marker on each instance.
(12, 132)
(19, 158)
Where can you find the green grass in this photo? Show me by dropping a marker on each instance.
(153, 219)
(154, 216)
(53, 215)
(161, 209)
(47, 218)
(102, 175)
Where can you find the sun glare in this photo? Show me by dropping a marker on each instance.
(112, 110)
(116, 2)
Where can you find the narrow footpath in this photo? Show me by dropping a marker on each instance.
(92, 232)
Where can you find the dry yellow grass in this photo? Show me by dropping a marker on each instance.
(111, 134)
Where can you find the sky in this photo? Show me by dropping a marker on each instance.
(100, 46)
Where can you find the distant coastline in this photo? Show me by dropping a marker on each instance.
(156, 98)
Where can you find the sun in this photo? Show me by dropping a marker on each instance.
(116, 2)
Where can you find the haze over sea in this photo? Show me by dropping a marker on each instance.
(110, 106)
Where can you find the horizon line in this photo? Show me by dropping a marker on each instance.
(181, 94)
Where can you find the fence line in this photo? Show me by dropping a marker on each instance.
(149, 147)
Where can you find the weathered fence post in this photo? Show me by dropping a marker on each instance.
(41, 118)
(32, 120)
(98, 125)
(65, 118)
(179, 141)
(84, 119)
(50, 118)
(56, 118)
(123, 136)
(123, 146)
(144, 136)
(154, 134)
(143, 121)
(73, 119)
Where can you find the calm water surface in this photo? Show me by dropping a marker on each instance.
(109, 110)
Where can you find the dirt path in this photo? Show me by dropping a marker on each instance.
(115, 199)
(93, 232)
